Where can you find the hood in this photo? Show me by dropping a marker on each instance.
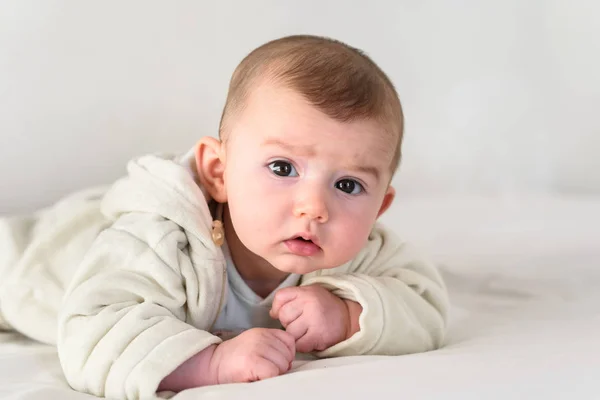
(164, 185)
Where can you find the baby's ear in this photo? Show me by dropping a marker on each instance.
(388, 199)
(210, 164)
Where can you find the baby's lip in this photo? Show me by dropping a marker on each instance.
(306, 236)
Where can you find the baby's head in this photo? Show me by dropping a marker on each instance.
(310, 138)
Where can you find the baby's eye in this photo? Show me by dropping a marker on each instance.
(349, 186)
(283, 168)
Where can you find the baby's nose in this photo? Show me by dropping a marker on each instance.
(313, 207)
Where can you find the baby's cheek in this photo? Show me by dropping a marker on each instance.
(356, 239)
(255, 215)
(350, 238)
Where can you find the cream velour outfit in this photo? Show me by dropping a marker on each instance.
(128, 283)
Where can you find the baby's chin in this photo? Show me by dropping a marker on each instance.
(299, 265)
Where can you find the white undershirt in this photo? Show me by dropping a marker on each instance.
(244, 309)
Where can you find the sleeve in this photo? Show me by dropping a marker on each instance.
(122, 325)
(404, 299)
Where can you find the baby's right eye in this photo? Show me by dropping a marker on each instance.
(283, 168)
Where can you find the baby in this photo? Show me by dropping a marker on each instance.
(218, 265)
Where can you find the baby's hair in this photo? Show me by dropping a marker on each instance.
(339, 80)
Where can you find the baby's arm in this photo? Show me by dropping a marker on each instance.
(122, 326)
(123, 329)
(354, 311)
(195, 372)
(402, 299)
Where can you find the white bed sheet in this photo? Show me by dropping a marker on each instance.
(524, 279)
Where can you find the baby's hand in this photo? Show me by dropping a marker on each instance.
(316, 318)
(254, 355)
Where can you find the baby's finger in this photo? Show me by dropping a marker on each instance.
(290, 312)
(297, 329)
(278, 355)
(263, 369)
(286, 340)
(282, 296)
(309, 343)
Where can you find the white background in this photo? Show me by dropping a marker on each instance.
(501, 97)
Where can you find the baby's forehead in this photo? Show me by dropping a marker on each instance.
(274, 111)
(356, 141)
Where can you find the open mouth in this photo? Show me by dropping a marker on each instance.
(302, 246)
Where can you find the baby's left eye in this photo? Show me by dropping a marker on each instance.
(349, 186)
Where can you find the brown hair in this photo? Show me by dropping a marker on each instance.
(341, 81)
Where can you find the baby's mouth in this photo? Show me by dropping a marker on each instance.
(302, 246)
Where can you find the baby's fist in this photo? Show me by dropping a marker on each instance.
(316, 318)
(254, 355)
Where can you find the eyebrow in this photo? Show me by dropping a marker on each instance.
(367, 169)
(310, 151)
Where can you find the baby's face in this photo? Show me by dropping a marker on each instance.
(304, 190)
